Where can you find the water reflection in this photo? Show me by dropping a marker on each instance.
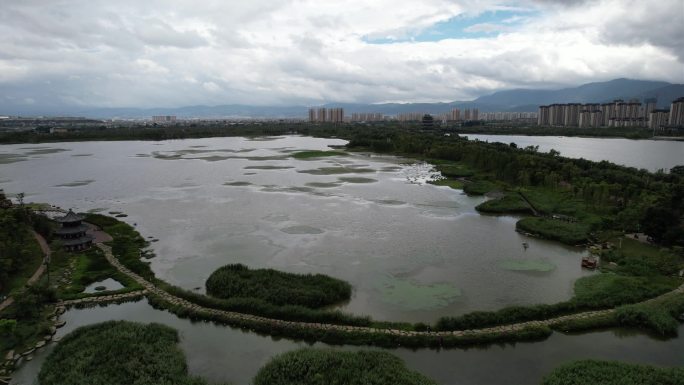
(364, 218)
(220, 353)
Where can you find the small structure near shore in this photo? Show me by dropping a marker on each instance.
(589, 262)
(73, 232)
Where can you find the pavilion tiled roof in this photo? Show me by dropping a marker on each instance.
(70, 217)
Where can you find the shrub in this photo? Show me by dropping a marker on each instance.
(318, 366)
(613, 373)
(276, 287)
(118, 352)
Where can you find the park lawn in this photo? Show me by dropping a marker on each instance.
(92, 266)
(633, 248)
(608, 289)
(571, 233)
(557, 201)
(18, 280)
(455, 170)
(479, 187)
(453, 183)
(511, 203)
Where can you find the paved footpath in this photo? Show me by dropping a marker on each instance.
(150, 288)
(38, 273)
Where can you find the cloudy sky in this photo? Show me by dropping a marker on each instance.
(169, 53)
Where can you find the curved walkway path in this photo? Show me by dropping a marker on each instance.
(38, 273)
(242, 317)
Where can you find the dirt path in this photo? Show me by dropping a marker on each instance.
(241, 317)
(534, 210)
(38, 273)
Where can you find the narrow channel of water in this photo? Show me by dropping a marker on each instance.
(649, 154)
(220, 353)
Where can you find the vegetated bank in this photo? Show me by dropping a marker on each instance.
(613, 373)
(127, 242)
(597, 197)
(118, 352)
(26, 320)
(297, 322)
(277, 287)
(576, 200)
(332, 367)
(122, 352)
(534, 130)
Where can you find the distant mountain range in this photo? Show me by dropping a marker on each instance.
(510, 100)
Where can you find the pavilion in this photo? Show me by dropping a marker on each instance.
(73, 232)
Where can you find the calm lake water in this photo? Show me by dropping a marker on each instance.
(649, 154)
(219, 353)
(412, 251)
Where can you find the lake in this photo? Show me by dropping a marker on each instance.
(411, 250)
(649, 154)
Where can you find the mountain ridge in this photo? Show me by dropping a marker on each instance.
(514, 100)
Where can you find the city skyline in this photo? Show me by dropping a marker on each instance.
(127, 54)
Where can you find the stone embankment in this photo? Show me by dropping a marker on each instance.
(13, 359)
(104, 299)
(241, 318)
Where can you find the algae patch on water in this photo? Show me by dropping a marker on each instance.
(76, 183)
(267, 167)
(44, 150)
(288, 189)
(357, 180)
(535, 265)
(237, 183)
(11, 158)
(391, 202)
(302, 229)
(323, 184)
(336, 170)
(317, 154)
(412, 295)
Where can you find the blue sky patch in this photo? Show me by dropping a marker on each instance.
(486, 24)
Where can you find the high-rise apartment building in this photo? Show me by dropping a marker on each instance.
(615, 114)
(326, 115)
(658, 119)
(164, 119)
(676, 118)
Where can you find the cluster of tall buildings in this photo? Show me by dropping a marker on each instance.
(452, 116)
(367, 117)
(326, 115)
(164, 119)
(508, 116)
(615, 114)
(409, 116)
(455, 115)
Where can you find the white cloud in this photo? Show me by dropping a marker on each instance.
(174, 52)
(211, 87)
(487, 28)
